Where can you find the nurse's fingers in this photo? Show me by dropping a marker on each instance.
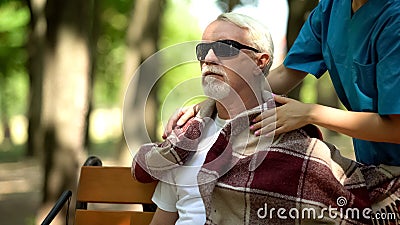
(264, 122)
(264, 115)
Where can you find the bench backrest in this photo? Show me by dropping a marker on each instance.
(111, 185)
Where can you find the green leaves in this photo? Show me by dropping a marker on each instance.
(14, 20)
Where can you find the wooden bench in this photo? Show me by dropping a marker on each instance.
(112, 185)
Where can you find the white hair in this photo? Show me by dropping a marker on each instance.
(259, 34)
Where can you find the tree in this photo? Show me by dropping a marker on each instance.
(298, 13)
(14, 18)
(35, 46)
(142, 41)
(60, 69)
(228, 5)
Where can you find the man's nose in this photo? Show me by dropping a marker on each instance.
(211, 57)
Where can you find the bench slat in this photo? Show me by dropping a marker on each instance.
(115, 185)
(91, 217)
(112, 185)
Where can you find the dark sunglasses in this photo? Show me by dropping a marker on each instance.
(222, 48)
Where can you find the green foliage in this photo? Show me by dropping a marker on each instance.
(178, 24)
(308, 92)
(11, 153)
(14, 93)
(178, 27)
(110, 51)
(14, 82)
(13, 15)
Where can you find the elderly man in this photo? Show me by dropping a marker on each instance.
(235, 55)
(214, 171)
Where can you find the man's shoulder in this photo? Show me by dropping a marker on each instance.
(299, 141)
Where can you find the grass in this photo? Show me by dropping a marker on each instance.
(106, 149)
(11, 153)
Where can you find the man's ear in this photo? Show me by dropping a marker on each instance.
(263, 60)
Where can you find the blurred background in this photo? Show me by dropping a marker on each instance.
(64, 70)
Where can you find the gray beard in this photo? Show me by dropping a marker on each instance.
(215, 88)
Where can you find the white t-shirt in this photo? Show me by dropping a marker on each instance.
(185, 197)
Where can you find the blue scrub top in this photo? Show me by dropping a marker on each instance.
(361, 51)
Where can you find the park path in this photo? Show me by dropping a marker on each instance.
(20, 184)
(20, 191)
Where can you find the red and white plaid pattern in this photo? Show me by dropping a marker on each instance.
(299, 179)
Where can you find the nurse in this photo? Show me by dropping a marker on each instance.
(358, 43)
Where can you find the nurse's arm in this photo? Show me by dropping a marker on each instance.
(282, 79)
(362, 125)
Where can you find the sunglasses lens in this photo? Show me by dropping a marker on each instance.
(224, 50)
(220, 50)
(202, 49)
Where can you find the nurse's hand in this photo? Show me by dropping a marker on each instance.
(291, 115)
(180, 117)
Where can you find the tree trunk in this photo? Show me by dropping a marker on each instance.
(35, 46)
(65, 99)
(142, 38)
(298, 13)
(227, 5)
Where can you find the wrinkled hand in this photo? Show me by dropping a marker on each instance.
(180, 117)
(291, 115)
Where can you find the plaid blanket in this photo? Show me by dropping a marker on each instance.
(295, 179)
